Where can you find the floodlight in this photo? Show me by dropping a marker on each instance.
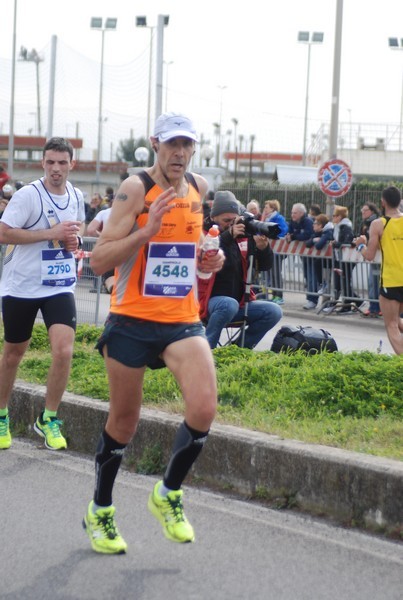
(303, 36)
(110, 23)
(317, 37)
(96, 22)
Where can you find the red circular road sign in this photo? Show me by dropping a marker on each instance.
(335, 178)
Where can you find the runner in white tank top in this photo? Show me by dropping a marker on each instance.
(40, 228)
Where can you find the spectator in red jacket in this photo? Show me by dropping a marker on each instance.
(4, 177)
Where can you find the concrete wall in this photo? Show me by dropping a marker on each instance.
(351, 488)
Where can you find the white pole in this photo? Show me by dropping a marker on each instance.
(334, 120)
(10, 167)
(306, 105)
(101, 84)
(159, 66)
(52, 81)
(150, 66)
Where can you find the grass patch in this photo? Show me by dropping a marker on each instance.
(351, 401)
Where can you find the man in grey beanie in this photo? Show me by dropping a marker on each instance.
(224, 202)
(221, 296)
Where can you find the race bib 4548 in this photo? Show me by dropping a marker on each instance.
(171, 270)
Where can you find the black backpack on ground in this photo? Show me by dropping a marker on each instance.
(308, 339)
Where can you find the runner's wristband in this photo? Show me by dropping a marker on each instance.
(360, 247)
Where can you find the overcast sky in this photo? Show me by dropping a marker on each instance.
(242, 58)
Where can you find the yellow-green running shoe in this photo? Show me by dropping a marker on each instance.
(5, 436)
(169, 512)
(50, 430)
(102, 531)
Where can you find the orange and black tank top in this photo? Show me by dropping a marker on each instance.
(158, 282)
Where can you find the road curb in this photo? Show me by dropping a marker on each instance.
(348, 487)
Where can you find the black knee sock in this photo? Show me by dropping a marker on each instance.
(108, 457)
(187, 447)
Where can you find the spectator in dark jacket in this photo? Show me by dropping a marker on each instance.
(343, 236)
(314, 211)
(207, 204)
(323, 234)
(301, 228)
(370, 212)
(222, 296)
(272, 213)
(93, 207)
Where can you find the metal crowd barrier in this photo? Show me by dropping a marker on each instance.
(298, 269)
(293, 271)
(92, 301)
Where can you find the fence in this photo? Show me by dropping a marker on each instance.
(296, 269)
(308, 195)
(337, 274)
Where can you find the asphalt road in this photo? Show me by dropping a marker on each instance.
(242, 550)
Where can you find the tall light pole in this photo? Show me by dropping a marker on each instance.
(10, 165)
(334, 115)
(34, 57)
(167, 65)
(235, 122)
(52, 82)
(217, 133)
(221, 88)
(142, 22)
(306, 37)
(110, 25)
(162, 22)
(395, 45)
(252, 140)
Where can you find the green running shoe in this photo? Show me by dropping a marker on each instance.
(50, 430)
(102, 531)
(5, 436)
(169, 512)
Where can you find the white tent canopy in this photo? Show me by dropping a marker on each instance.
(292, 175)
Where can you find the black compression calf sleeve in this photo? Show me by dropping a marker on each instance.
(187, 447)
(108, 457)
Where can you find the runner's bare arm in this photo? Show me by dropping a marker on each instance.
(118, 239)
(65, 232)
(375, 234)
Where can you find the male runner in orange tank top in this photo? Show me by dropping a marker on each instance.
(152, 240)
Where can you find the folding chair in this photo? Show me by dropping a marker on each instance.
(233, 334)
(238, 336)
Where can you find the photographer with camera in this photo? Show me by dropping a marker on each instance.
(222, 297)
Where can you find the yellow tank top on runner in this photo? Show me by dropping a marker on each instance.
(158, 282)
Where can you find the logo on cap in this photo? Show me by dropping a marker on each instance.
(170, 125)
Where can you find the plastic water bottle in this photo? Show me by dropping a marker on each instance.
(210, 246)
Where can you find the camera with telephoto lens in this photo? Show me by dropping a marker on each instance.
(254, 227)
